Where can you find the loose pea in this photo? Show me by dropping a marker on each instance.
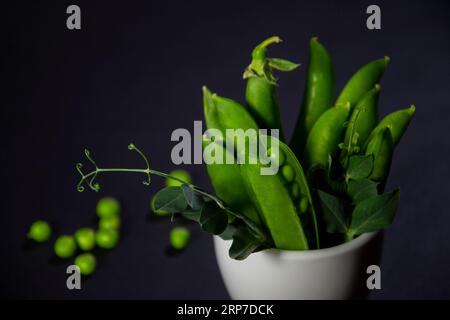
(295, 190)
(107, 238)
(304, 203)
(288, 173)
(179, 174)
(107, 207)
(179, 237)
(109, 223)
(40, 231)
(85, 238)
(86, 262)
(65, 246)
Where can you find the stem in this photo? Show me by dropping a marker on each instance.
(350, 140)
(260, 50)
(348, 236)
(90, 177)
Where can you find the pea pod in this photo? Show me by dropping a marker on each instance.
(222, 114)
(325, 136)
(304, 200)
(318, 96)
(397, 122)
(289, 215)
(381, 146)
(276, 207)
(362, 81)
(260, 93)
(362, 121)
(227, 183)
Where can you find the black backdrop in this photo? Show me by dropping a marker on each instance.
(134, 73)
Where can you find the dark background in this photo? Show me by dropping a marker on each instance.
(134, 73)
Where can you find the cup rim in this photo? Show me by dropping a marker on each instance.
(317, 253)
(325, 252)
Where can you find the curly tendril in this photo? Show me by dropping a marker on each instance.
(89, 178)
(132, 147)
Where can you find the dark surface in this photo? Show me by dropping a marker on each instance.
(134, 73)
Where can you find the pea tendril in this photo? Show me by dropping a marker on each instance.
(89, 180)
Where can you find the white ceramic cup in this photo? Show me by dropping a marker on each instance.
(332, 273)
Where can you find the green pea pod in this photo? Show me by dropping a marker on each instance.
(304, 201)
(260, 93)
(277, 210)
(222, 114)
(362, 81)
(228, 185)
(325, 136)
(397, 122)
(318, 96)
(381, 146)
(363, 119)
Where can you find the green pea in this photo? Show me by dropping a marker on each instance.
(179, 237)
(86, 262)
(179, 174)
(109, 223)
(107, 207)
(288, 173)
(40, 231)
(65, 246)
(295, 190)
(304, 203)
(85, 238)
(107, 238)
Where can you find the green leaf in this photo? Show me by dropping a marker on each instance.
(359, 167)
(213, 219)
(170, 199)
(362, 189)
(282, 64)
(244, 243)
(374, 213)
(334, 212)
(193, 215)
(193, 198)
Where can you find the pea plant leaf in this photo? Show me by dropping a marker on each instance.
(193, 215)
(170, 199)
(361, 189)
(282, 64)
(245, 241)
(374, 213)
(359, 167)
(193, 198)
(213, 219)
(334, 210)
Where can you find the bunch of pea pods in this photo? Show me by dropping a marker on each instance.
(327, 128)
